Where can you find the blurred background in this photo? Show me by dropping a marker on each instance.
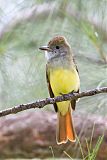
(26, 25)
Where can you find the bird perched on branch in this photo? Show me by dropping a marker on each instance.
(62, 78)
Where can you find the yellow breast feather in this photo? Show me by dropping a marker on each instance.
(64, 81)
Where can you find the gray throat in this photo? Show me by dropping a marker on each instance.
(63, 61)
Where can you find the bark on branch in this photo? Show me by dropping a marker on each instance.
(42, 103)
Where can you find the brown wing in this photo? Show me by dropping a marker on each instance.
(73, 102)
(50, 89)
(75, 65)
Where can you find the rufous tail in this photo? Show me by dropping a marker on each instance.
(65, 128)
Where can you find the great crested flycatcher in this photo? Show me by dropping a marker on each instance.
(62, 78)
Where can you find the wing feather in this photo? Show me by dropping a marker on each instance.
(73, 102)
(50, 89)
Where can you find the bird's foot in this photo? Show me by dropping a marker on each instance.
(72, 92)
(64, 94)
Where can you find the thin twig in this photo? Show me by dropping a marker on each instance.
(42, 103)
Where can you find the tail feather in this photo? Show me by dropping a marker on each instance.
(61, 129)
(69, 126)
(65, 128)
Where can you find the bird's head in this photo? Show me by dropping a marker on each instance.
(56, 47)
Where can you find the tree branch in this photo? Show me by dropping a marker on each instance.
(42, 103)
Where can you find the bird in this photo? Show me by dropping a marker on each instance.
(62, 78)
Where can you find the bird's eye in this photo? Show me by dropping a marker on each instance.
(57, 47)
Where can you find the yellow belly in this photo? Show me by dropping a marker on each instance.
(64, 81)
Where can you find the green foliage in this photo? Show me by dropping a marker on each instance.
(93, 154)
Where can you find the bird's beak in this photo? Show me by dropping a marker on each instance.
(45, 48)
